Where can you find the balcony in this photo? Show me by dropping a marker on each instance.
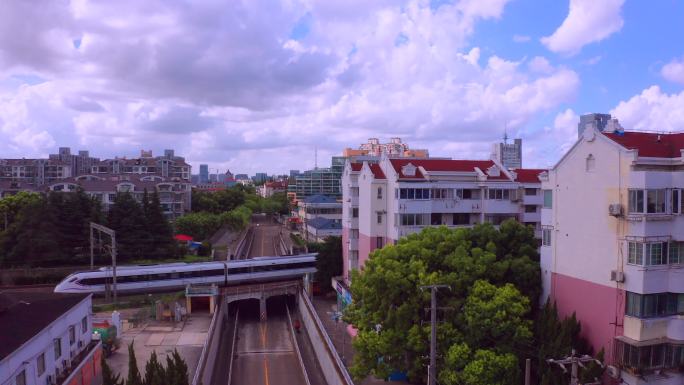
(654, 279)
(530, 217)
(353, 244)
(644, 329)
(533, 199)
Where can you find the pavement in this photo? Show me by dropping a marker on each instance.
(163, 337)
(337, 331)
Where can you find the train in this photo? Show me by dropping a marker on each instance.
(176, 276)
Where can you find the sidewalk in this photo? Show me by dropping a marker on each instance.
(337, 331)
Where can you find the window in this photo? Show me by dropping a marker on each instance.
(58, 347)
(353, 259)
(40, 364)
(20, 379)
(530, 208)
(378, 242)
(655, 201)
(636, 201)
(676, 252)
(655, 254)
(84, 325)
(354, 191)
(546, 237)
(498, 194)
(654, 305)
(412, 219)
(530, 191)
(548, 199)
(636, 253)
(379, 218)
(72, 335)
(591, 163)
(461, 219)
(676, 201)
(355, 212)
(649, 357)
(354, 234)
(379, 192)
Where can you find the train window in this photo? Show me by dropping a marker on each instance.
(73, 279)
(174, 275)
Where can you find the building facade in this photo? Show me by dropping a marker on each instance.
(613, 248)
(508, 154)
(319, 181)
(269, 188)
(47, 339)
(395, 197)
(596, 121)
(203, 173)
(395, 148)
(320, 216)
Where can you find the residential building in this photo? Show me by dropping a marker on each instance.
(47, 339)
(260, 177)
(269, 188)
(597, 121)
(508, 154)
(385, 201)
(319, 206)
(204, 173)
(613, 248)
(175, 195)
(395, 148)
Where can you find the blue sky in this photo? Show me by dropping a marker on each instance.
(256, 86)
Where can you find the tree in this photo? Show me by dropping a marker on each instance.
(160, 230)
(108, 377)
(133, 372)
(35, 235)
(155, 374)
(126, 217)
(11, 205)
(329, 261)
(476, 264)
(176, 370)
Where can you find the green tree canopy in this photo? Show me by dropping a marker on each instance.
(478, 265)
(127, 218)
(329, 261)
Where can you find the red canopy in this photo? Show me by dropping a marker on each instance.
(183, 237)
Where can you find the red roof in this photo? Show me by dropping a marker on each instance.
(528, 175)
(183, 237)
(377, 171)
(356, 166)
(651, 145)
(443, 165)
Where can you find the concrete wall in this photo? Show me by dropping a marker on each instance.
(332, 367)
(205, 367)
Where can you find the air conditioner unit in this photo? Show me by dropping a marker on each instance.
(617, 276)
(613, 371)
(615, 209)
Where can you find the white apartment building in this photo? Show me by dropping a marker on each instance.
(613, 248)
(395, 197)
(47, 339)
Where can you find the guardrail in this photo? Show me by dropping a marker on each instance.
(296, 346)
(244, 243)
(205, 367)
(232, 348)
(333, 369)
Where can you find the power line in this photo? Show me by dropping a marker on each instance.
(575, 362)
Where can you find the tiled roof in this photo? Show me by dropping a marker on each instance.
(25, 314)
(324, 223)
(528, 175)
(356, 166)
(377, 171)
(443, 165)
(649, 144)
(318, 198)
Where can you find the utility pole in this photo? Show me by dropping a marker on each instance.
(575, 363)
(112, 250)
(432, 369)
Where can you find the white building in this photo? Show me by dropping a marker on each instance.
(46, 339)
(385, 201)
(613, 248)
(320, 216)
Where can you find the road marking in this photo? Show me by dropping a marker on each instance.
(263, 327)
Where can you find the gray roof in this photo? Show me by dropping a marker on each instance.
(318, 198)
(321, 223)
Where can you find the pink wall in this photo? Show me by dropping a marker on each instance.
(366, 245)
(598, 307)
(345, 252)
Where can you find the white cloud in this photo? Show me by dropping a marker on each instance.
(521, 38)
(545, 147)
(588, 21)
(228, 85)
(674, 71)
(652, 109)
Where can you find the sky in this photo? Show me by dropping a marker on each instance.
(256, 86)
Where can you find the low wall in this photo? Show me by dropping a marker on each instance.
(331, 365)
(89, 371)
(205, 367)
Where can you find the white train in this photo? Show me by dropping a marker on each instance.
(172, 276)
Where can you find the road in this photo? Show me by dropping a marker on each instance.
(265, 352)
(265, 235)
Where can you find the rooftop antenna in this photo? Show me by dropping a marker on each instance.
(505, 138)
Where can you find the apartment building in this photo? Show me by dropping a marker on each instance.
(395, 197)
(319, 181)
(613, 248)
(175, 196)
(47, 339)
(320, 216)
(395, 148)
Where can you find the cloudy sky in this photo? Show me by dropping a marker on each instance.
(257, 85)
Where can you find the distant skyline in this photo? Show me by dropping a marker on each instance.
(255, 86)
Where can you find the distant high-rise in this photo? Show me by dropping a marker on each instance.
(507, 154)
(204, 173)
(600, 121)
(394, 149)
